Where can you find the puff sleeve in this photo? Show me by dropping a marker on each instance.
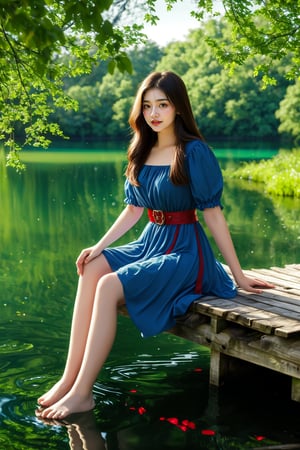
(130, 197)
(205, 176)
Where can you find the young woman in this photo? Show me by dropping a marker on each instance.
(171, 172)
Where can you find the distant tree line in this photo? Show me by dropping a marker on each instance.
(226, 104)
(46, 43)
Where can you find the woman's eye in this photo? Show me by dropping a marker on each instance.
(145, 106)
(163, 105)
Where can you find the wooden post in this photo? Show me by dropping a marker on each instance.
(218, 325)
(218, 367)
(295, 389)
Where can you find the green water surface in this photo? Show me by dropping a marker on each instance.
(152, 393)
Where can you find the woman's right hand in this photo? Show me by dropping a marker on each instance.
(126, 220)
(86, 255)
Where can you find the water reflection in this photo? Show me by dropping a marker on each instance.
(227, 419)
(152, 393)
(83, 432)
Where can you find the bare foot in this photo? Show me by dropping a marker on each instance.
(58, 391)
(69, 404)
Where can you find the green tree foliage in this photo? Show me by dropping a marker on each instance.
(289, 112)
(225, 105)
(104, 101)
(34, 37)
(258, 27)
(45, 43)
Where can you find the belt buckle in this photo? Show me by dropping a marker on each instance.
(158, 216)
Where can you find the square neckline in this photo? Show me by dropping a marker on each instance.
(157, 165)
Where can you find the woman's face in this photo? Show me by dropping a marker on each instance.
(158, 111)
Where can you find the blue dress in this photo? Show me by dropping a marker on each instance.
(170, 266)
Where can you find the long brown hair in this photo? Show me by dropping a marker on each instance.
(144, 138)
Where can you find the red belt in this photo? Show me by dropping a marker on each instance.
(172, 218)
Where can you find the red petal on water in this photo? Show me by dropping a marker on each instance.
(208, 432)
(189, 424)
(173, 420)
(198, 369)
(141, 410)
(133, 391)
(260, 438)
(132, 408)
(183, 428)
(162, 418)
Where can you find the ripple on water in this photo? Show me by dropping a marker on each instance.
(147, 368)
(13, 347)
(24, 377)
(123, 391)
(22, 429)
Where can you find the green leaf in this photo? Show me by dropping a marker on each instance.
(111, 66)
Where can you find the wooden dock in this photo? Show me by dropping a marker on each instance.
(260, 329)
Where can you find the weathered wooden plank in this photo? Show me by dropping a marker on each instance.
(273, 277)
(270, 275)
(262, 321)
(279, 311)
(258, 301)
(228, 310)
(292, 270)
(288, 291)
(273, 272)
(265, 303)
(262, 317)
(202, 334)
(239, 348)
(288, 271)
(287, 331)
(281, 306)
(278, 326)
(261, 329)
(275, 295)
(214, 307)
(283, 273)
(275, 314)
(288, 349)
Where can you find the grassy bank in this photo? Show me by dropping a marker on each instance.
(280, 174)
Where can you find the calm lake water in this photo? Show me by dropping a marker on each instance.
(152, 393)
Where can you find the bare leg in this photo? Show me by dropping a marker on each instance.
(82, 314)
(109, 294)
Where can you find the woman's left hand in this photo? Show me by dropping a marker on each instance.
(254, 284)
